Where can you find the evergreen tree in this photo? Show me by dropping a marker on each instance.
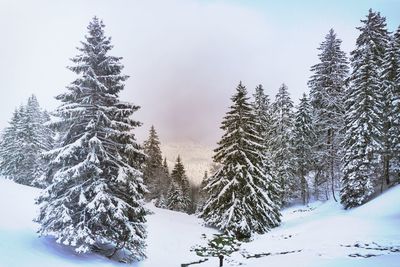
(95, 200)
(164, 185)
(178, 193)
(11, 152)
(38, 139)
(395, 129)
(202, 193)
(261, 106)
(153, 170)
(243, 195)
(23, 144)
(303, 140)
(364, 112)
(327, 86)
(390, 116)
(281, 143)
(165, 165)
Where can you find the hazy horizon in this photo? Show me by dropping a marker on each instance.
(184, 58)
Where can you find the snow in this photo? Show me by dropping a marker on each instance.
(321, 234)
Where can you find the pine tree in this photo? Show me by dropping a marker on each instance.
(203, 196)
(165, 183)
(242, 192)
(327, 87)
(153, 170)
(38, 139)
(395, 129)
(163, 186)
(390, 116)
(303, 140)
(364, 112)
(165, 165)
(281, 143)
(11, 152)
(95, 200)
(23, 144)
(262, 108)
(178, 193)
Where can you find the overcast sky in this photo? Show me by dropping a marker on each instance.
(185, 57)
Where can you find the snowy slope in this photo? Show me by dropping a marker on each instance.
(322, 234)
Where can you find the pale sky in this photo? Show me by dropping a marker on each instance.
(185, 57)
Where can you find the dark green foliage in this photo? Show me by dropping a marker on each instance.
(281, 144)
(243, 195)
(155, 175)
(303, 141)
(364, 109)
(389, 152)
(220, 244)
(95, 200)
(179, 190)
(23, 143)
(327, 86)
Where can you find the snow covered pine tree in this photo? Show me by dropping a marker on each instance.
(23, 143)
(95, 200)
(364, 109)
(391, 110)
(395, 99)
(241, 201)
(303, 141)
(154, 174)
(262, 108)
(327, 87)
(178, 193)
(281, 144)
(11, 151)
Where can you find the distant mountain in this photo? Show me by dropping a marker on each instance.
(196, 158)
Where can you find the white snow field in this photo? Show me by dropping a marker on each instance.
(322, 234)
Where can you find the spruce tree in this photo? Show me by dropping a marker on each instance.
(38, 139)
(303, 141)
(327, 87)
(364, 112)
(203, 196)
(11, 152)
(390, 116)
(165, 165)
(262, 109)
(95, 200)
(281, 144)
(242, 192)
(153, 170)
(163, 187)
(395, 129)
(23, 143)
(178, 193)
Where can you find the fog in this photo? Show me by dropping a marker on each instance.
(184, 57)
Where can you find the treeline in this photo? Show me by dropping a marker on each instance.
(341, 142)
(167, 190)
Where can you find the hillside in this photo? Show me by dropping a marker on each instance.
(322, 234)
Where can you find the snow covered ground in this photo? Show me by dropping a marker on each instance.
(322, 234)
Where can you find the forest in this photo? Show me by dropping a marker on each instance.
(341, 142)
